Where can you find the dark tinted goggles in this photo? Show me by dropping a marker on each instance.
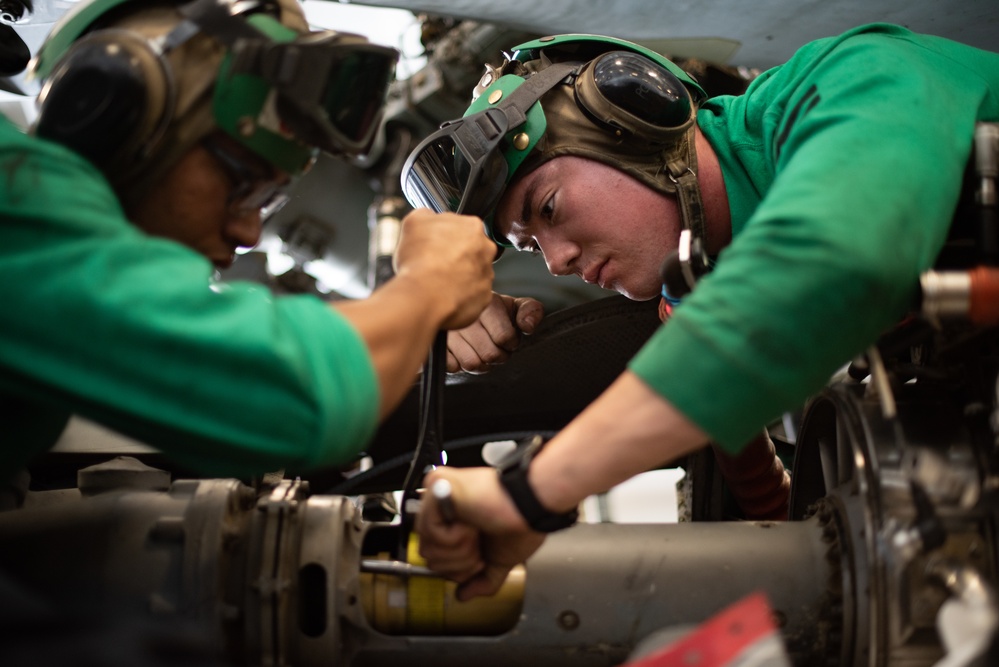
(330, 86)
(459, 168)
(254, 187)
(656, 101)
(336, 102)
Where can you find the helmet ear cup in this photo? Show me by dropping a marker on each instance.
(635, 97)
(107, 99)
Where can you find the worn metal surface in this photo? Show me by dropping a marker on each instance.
(276, 577)
(594, 591)
(757, 34)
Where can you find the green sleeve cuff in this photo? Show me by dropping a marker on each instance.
(702, 384)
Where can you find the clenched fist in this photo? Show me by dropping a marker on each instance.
(450, 256)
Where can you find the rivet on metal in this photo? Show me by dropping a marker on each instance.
(568, 620)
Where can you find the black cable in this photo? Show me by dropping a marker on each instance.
(428, 444)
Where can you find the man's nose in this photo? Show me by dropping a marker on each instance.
(244, 229)
(560, 255)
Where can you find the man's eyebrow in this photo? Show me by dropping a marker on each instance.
(525, 211)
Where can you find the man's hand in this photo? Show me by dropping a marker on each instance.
(444, 278)
(448, 256)
(488, 538)
(491, 338)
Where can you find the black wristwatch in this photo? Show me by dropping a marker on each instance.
(513, 478)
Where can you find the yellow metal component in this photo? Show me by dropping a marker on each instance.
(521, 141)
(416, 605)
(424, 594)
(495, 96)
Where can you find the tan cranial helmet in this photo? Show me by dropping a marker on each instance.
(642, 150)
(133, 86)
(596, 97)
(193, 66)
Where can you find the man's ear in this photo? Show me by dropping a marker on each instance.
(108, 98)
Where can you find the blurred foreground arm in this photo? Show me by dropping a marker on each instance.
(443, 280)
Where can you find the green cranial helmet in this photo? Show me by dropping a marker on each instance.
(596, 97)
(133, 85)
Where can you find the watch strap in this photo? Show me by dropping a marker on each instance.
(513, 479)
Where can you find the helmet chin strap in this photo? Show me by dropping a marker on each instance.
(682, 171)
(688, 262)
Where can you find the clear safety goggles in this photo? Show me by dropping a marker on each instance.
(464, 167)
(460, 167)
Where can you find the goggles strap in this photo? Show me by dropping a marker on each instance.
(184, 31)
(528, 93)
(214, 19)
(683, 174)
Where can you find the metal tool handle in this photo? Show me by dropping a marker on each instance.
(441, 491)
(398, 568)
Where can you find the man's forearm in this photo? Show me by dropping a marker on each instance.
(629, 429)
(398, 324)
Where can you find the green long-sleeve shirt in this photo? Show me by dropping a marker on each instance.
(843, 167)
(98, 318)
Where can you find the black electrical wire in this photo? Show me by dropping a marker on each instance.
(428, 443)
